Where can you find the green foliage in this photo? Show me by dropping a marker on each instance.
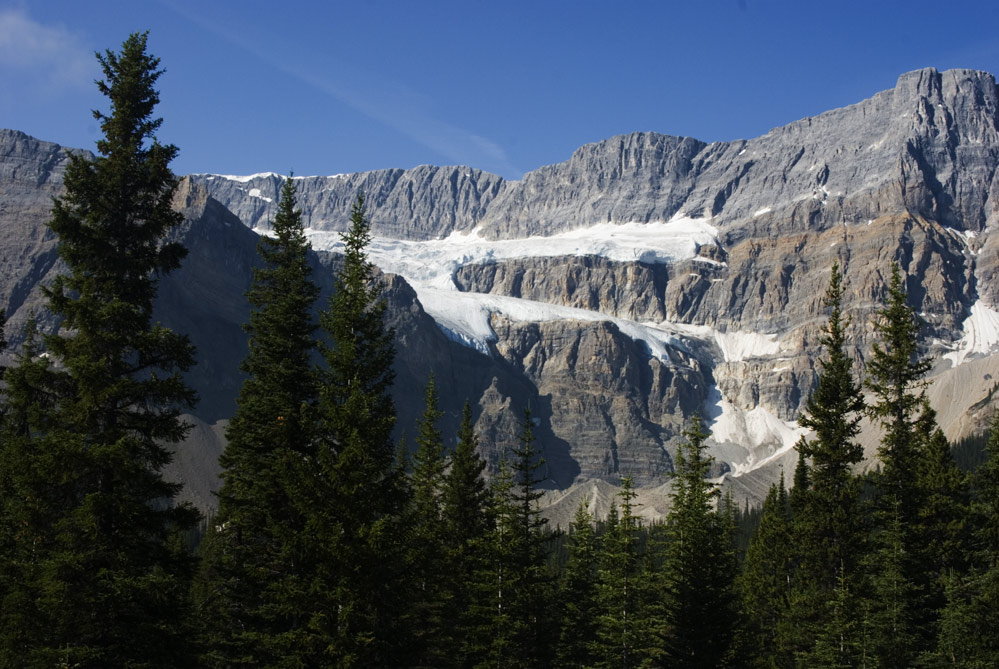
(966, 635)
(895, 373)
(621, 631)
(468, 523)
(828, 536)
(520, 587)
(251, 590)
(356, 497)
(97, 571)
(765, 581)
(428, 568)
(698, 571)
(578, 595)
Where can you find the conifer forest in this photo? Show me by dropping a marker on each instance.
(336, 546)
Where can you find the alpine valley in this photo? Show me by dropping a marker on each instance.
(645, 279)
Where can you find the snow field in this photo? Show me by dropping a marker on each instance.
(981, 334)
(429, 266)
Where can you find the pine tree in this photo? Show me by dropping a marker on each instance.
(356, 504)
(254, 573)
(494, 642)
(578, 595)
(840, 641)
(698, 571)
(107, 579)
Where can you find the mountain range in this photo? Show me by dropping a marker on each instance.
(645, 279)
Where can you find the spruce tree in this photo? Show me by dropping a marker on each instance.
(828, 538)
(895, 373)
(357, 499)
(578, 595)
(251, 590)
(899, 612)
(428, 571)
(698, 570)
(945, 523)
(465, 511)
(966, 634)
(106, 577)
(621, 629)
(765, 581)
(523, 623)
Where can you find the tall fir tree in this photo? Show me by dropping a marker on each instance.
(698, 571)
(899, 612)
(465, 510)
(523, 623)
(765, 582)
(622, 625)
(106, 577)
(252, 587)
(828, 538)
(578, 595)
(356, 504)
(895, 377)
(428, 575)
(966, 633)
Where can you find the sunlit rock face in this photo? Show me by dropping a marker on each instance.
(645, 279)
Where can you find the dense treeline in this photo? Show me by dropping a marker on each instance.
(332, 547)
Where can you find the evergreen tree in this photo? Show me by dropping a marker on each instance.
(254, 574)
(465, 510)
(895, 373)
(698, 571)
(945, 524)
(966, 636)
(840, 641)
(494, 639)
(357, 498)
(899, 612)
(765, 582)
(578, 595)
(426, 542)
(523, 622)
(620, 632)
(828, 538)
(107, 579)
(944, 516)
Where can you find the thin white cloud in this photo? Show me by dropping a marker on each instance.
(394, 105)
(52, 56)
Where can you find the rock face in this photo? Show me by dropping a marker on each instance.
(612, 355)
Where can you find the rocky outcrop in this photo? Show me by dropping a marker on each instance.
(907, 177)
(425, 202)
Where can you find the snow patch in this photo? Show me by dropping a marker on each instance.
(245, 179)
(981, 334)
(433, 262)
(255, 192)
(749, 439)
(264, 175)
(760, 212)
(467, 318)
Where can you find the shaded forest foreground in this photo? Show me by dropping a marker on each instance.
(332, 547)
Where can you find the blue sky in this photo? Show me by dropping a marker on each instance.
(505, 86)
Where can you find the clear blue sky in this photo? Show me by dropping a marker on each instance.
(502, 85)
